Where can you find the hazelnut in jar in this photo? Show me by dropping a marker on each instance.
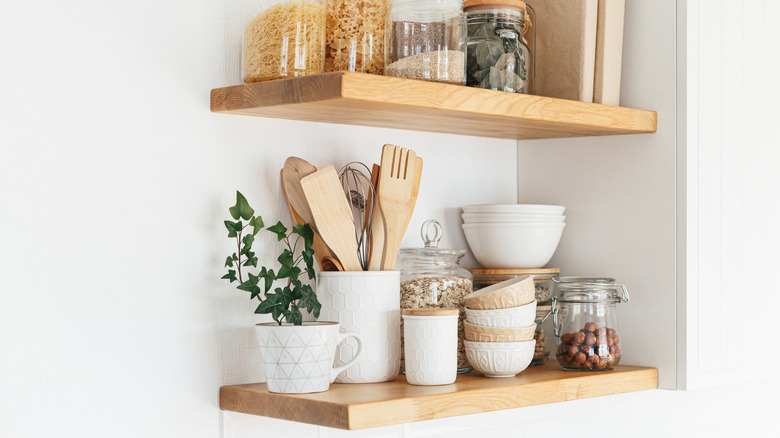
(585, 323)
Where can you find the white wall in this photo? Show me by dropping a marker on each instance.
(114, 181)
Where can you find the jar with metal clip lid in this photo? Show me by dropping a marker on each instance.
(431, 277)
(498, 56)
(585, 322)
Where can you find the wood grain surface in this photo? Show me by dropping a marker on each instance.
(382, 101)
(360, 406)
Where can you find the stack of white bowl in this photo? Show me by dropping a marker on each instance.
(500, 327)
(513, 236)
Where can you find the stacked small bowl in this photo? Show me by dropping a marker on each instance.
(500, 327)
(512, 236)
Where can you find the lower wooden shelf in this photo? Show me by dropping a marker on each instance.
(360, 406)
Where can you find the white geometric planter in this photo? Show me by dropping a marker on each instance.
(299, 359)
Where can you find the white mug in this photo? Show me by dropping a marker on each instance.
(299, 358)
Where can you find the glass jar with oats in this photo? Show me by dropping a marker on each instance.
(432, 278)
(355, 36)
(285, 39)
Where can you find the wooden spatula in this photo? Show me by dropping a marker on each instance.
(332, 215)
(321, 251)
(397, 174)
(377, 242)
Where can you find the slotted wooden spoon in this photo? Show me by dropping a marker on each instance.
(332, 215)
(396, 195)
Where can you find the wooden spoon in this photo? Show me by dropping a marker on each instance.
(294, 170)
(321, 251)
(397, 174)
(332, 215)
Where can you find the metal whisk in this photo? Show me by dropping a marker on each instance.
(356, 180)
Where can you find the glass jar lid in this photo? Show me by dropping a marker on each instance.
(431, 235)
(590, 290)
(519, 4)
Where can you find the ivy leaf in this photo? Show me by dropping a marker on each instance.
(268, 276)
(229, 262)
(257, 224)
(231, 275)
(249, 284)
(267, 306)
(488, 53)
(248, 239)
(484, 31)
(293, 316)
(242, 209)
(305, 231)
(308, 259)
(251, 262)
(284, 296)
(289, 272)
(279, 230)
(309, 301)
(233, 228)
(286, 258)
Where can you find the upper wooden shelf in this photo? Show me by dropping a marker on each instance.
(360, 406)
(387, 102)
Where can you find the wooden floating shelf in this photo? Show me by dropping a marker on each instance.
(360, 406)
(388, 102)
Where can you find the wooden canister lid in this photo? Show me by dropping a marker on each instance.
(539, 271)
(519, 4)
(430, 312)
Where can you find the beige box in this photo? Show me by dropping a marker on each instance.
(609, 51)
(566, 48)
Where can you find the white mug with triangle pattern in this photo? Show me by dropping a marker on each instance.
(299, 358)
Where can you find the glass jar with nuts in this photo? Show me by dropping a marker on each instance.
(585, 323)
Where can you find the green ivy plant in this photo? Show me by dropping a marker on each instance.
(284, 303)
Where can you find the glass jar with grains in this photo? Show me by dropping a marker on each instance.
(585, 323)
(355, 36)
(285, 39)
(425, 40)
(497, 55)
(432, 278)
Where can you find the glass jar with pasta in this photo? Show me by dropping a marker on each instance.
(354, 36)
(285, 39)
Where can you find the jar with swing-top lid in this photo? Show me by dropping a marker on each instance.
(585, 323)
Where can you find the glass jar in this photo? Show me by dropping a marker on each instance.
(432, 278)
(425, 40)
(542, 348)
(284, 40)
(355, 36)
(585, 323)
(497, 54)
(542, 279)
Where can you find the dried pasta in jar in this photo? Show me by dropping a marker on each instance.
(286, 40)
(355, 33)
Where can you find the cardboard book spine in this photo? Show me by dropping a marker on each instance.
(609, 51)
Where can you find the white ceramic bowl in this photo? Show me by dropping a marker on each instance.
(485, 218)
(515, 245)
(513, 317)
(500, 359)
(515, 208)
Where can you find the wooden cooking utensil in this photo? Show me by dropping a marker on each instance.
(332, 215)
(377, 241)
(330, 264)
(294, 170)
(321, 250)
(397, 174)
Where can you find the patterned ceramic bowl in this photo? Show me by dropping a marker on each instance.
(500, 359)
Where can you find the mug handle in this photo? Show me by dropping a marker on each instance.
(336, 371)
